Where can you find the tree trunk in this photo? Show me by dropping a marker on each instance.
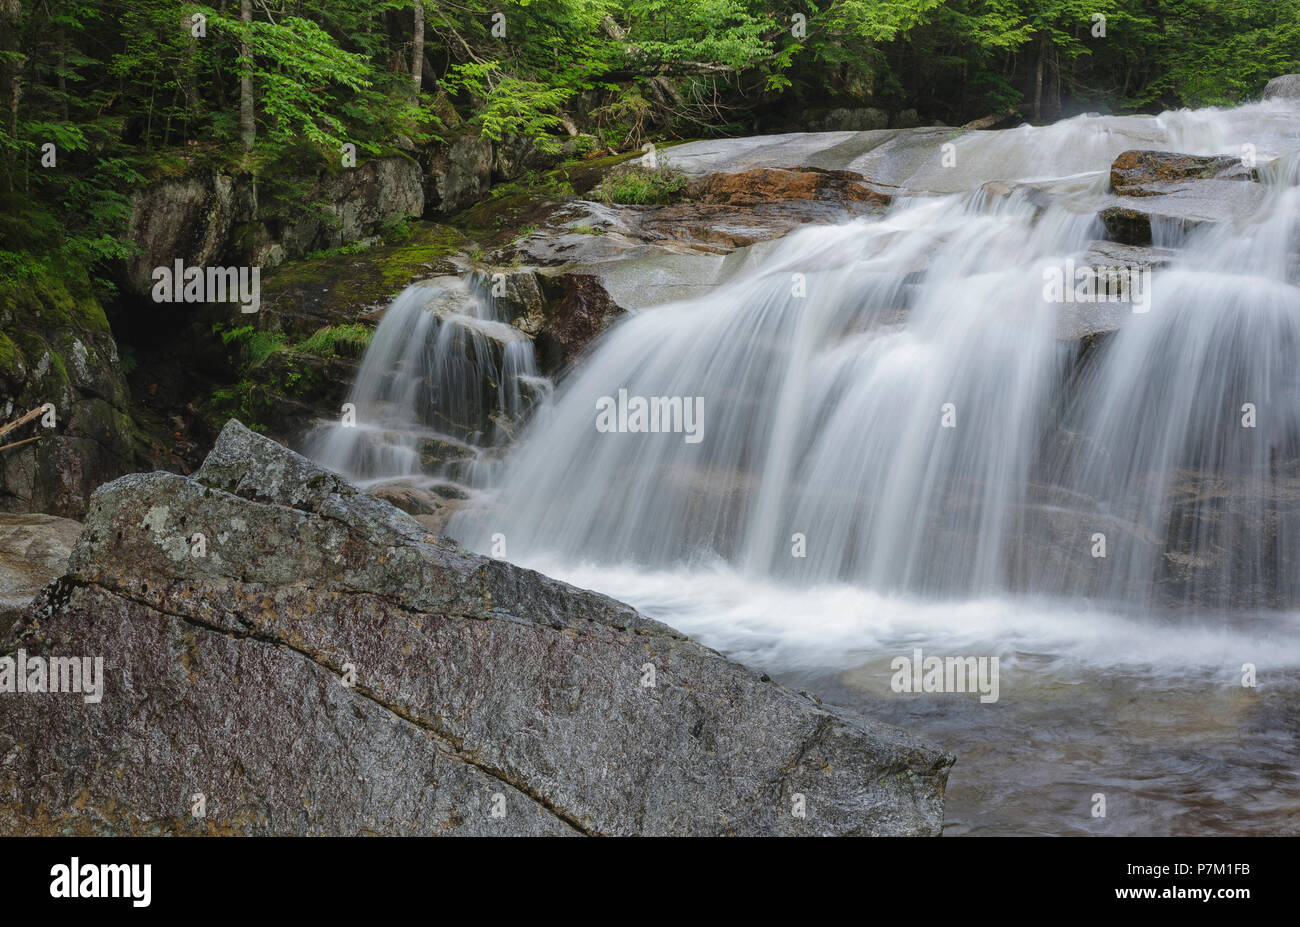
(1056, 82)
(189, 68)
(1038, 80)
(417, 53)
(247, 126)
(10, 14)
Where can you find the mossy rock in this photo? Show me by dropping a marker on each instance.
(515, 207)
(56, 347)
(47, 372)
(301, 297)
(13, 367)
(45, 302)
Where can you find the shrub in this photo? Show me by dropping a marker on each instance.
(635, 185)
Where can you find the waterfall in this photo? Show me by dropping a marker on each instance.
(900, 435)
(912, 433)
(826, 375)
(443, 383)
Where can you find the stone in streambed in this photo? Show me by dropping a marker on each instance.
(1150, 173)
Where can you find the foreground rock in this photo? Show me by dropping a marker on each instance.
(33, 550)
(480, 687)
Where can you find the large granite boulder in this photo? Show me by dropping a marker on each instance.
(191, 218)
(318, 663)
(458, 175)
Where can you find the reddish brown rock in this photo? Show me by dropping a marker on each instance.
(773, 185)
(1142, 173)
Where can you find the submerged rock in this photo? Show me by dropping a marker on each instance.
(1086, 320)
(328, 666)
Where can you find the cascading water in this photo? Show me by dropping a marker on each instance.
(900, 448)
(827, 378)
(444, 380)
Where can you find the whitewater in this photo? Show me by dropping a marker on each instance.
(903, 449)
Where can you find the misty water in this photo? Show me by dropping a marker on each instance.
(901, 449)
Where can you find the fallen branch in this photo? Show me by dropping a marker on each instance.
(6, 447)
(5, 429)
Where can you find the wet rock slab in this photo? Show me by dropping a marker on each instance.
(484, 698)
(1084, 321)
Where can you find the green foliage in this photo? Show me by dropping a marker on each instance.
(639, 186)
(127, 361)
(125, 92)
(397, 232)
(301, 73)
(255, 344)
(346, 340)
(243, 401)
(730, 34)
(510, 106)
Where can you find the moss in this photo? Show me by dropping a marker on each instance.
(61, 368)
(529, 200)
(349, 340)
(11, 359)
(340, 283)
(91, 314)
(46, 301)
(584, 175)
(58, 307)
